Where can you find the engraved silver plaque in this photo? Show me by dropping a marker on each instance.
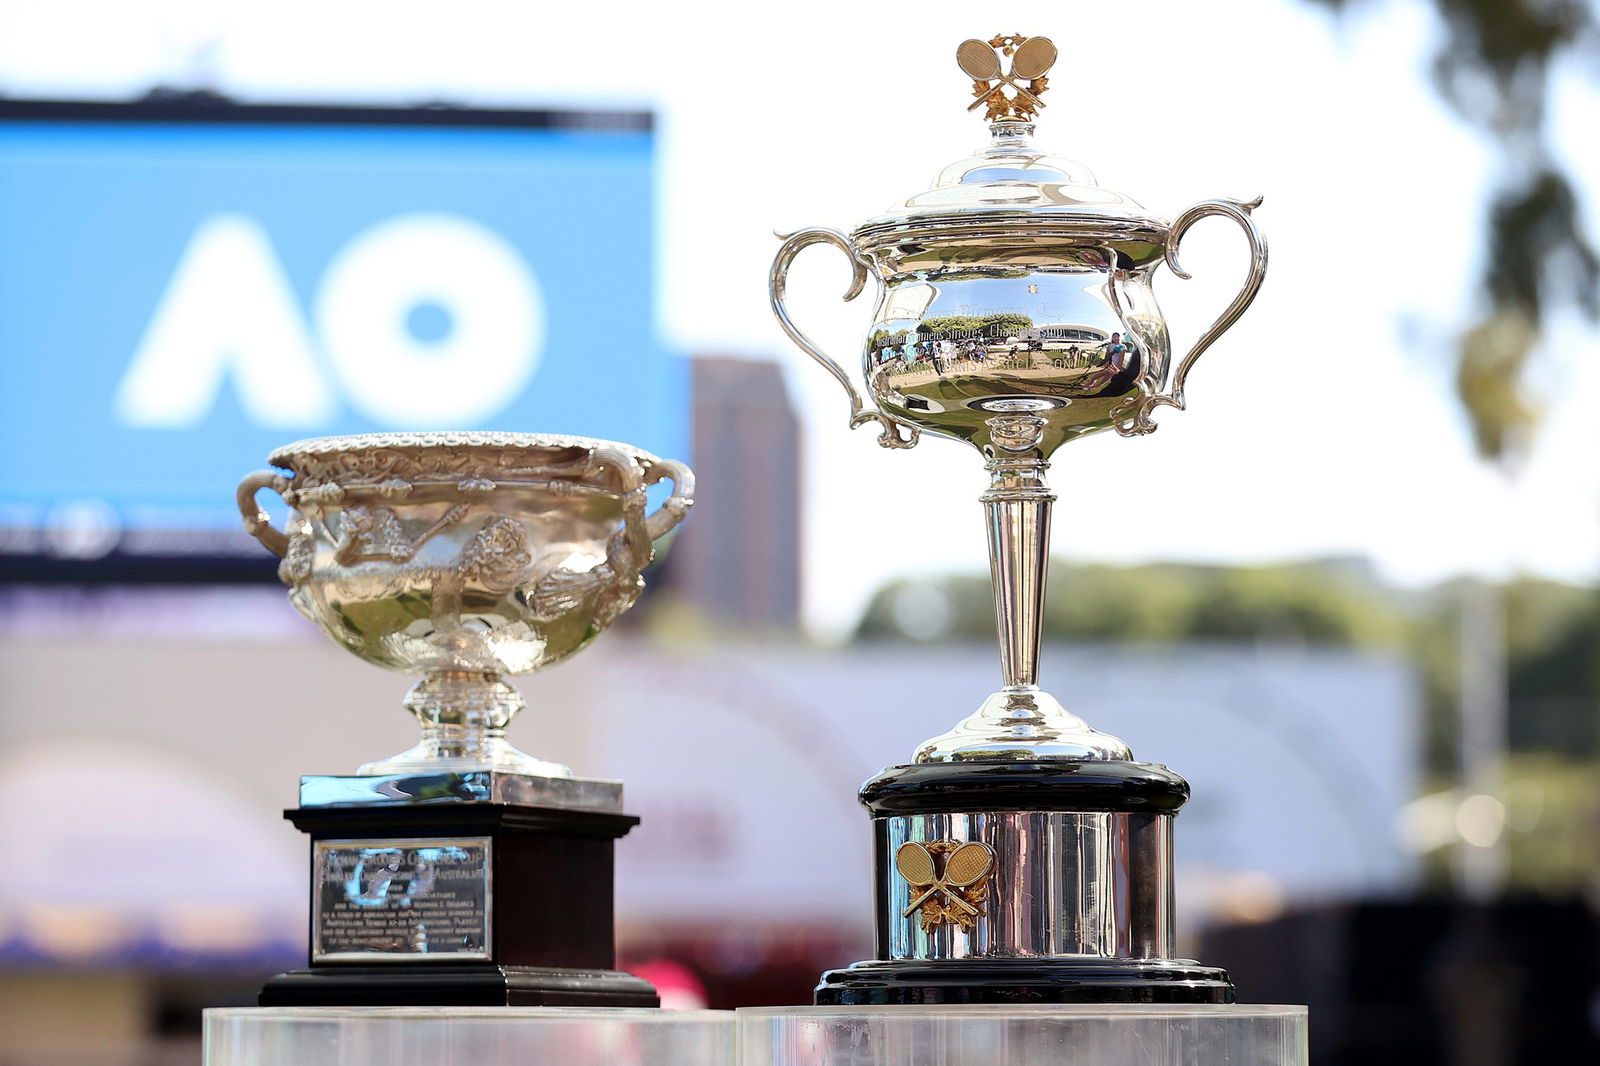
(401, 900)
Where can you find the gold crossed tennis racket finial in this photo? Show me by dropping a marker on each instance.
(1031, 58)
(947, 891)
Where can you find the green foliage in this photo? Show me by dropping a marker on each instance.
(1553, 663)
(1305, 603)
(1005, 324)
(1552, 833)
(1552, 630)
(1553, 816)
(1489, 382)
(1493, 65)
(949, 324)
(997, 325)
(983, 274)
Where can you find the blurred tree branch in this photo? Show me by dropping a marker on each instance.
(1494, 69)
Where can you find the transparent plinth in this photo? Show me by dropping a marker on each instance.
(481, 1036)
(1042, 1035)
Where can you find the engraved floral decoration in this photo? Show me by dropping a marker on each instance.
(296, 564)
(613, 586)
(498, 554)
(396, 463)
(365, 506)
(497, 593)
(367, 533)
(371, 533)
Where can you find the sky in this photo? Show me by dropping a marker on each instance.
(1323, 423)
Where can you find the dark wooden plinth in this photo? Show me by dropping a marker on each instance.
(552, 940)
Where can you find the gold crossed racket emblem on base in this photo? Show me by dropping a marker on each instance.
(949, 880)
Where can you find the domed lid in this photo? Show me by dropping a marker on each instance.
(1011, 182)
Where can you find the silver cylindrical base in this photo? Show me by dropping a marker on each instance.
(1063, 884)
(1050, 1035)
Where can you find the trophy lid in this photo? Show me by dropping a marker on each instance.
(1011, 182)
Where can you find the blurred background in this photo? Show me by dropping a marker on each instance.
(1351, 594)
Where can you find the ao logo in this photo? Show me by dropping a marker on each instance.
(423, 320)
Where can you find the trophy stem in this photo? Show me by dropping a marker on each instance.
(1018, 509)
(464, 715)
(1021, 722)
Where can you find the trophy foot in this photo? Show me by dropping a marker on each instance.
(432, 757)
(464, 715)
(1022, 723)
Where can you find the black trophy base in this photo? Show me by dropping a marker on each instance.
(456, 985)
(1024, 981)
(474, 888)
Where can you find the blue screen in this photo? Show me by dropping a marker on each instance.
(179, 298)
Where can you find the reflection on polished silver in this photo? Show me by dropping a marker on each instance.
(1062, 884)
(465, 557)
(457, 787)
(1016, 312)
(383, 900)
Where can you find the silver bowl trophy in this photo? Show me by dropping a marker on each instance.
(463, 871)
(1022, 856)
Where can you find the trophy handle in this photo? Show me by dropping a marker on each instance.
(641, 532)
(676, 507)
(256, 521)
(1137, 422)
(793, 243)
(616, 583)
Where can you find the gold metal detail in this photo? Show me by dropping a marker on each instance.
(949, 880)
(1031, 58)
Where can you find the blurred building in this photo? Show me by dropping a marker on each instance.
(739, 558)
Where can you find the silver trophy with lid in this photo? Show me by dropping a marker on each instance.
(1022, 855)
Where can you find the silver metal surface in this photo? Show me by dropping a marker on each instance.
(402, 900)
(1021, 721)
(1063, 884)
(465, 557)
(892, 434)
(1016, 312)
(458, 787)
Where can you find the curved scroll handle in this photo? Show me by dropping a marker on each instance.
(793, 243)
(1138, 422)
(616, 583)
(256, 521)
(634, 549)
(676, 507)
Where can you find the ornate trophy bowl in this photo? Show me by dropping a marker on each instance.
(465, 557)
(1016, 312)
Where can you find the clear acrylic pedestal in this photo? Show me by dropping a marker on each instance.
(467, 1036)
(1042, 1035)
